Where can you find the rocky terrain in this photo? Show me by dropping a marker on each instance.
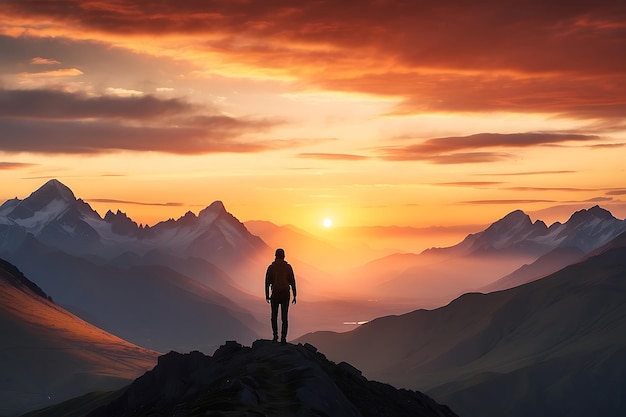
(266, 379)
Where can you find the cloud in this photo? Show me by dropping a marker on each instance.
(580, 96)
(444, 56)
(447, 150)
(616, 192)
(49, 121)
(63, 72)
(498, 202)
(54, 104)
(332, 156)
(60, 137)
(458, 158)
(505, 174)
(137, 203)
(123, 92)
(14, 165)
(599, 200)
(608, 145)
(478, 184)
(568, 189)
(44, 61)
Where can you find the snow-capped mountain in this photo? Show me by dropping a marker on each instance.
(438, 275)
(54, 215)
(57, 218)
(552, 347)
(155, 286)
(585, 230)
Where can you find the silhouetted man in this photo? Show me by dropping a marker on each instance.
(279, 277)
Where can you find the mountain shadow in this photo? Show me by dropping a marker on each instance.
(555, 346)
(48, 355)
(148, 305)
(266, 379)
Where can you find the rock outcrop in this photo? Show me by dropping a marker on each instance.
(267, 379)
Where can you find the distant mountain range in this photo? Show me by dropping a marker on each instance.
(554, 346)
(57, 218)
(48, 355)
(550, 330)
(163, 287)
(267, 379)
(487, 260)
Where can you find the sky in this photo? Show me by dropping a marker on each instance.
(369, 113)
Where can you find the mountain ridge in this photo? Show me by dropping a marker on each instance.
(266, 378)
(109, 259)
(54, 215)
(438, 275)
(49, 355)
(548, 347)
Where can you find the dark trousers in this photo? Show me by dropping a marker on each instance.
(283, 303)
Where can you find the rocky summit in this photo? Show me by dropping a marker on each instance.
(266, 379)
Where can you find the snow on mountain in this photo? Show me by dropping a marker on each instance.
(586, 230)
(7, 207)
(55, 216)
(552, 347)
(589, 229)
(510, 231)
(42, 207)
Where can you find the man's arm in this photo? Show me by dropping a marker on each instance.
(292, 282)
(268, 283)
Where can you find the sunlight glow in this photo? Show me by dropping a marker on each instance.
(327, 223)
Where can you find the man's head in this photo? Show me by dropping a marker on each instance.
(280, 253)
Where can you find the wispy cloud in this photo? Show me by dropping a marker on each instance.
(136, 203)
(477, 184)
(599, 199)
(332, 156)
(63, 72)
(451, 150)
(608, 145)
(14, 165)
(616, 192)
(49, 121)
(53, 104)
(499, 202)
(44, 61)
(515, 174)
(551, 189)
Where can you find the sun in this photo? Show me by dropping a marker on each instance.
(327, 222)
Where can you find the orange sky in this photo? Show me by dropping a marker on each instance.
(407, 113)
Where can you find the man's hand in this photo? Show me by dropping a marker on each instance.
(294, 300)
(268, 300)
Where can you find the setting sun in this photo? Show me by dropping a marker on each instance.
(327, 222)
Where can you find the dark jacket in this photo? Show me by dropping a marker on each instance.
(279, 277)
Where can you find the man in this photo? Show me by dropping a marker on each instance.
(279, 277)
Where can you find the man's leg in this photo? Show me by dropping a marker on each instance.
(284, 309)
(274, 319)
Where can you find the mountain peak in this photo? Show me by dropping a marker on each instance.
(265, 379)
(121, 223)
(593, 212)
(213, 210)
(217, 206)
(53, 198)
(516, 216)
(57, 190)
(514, 221)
